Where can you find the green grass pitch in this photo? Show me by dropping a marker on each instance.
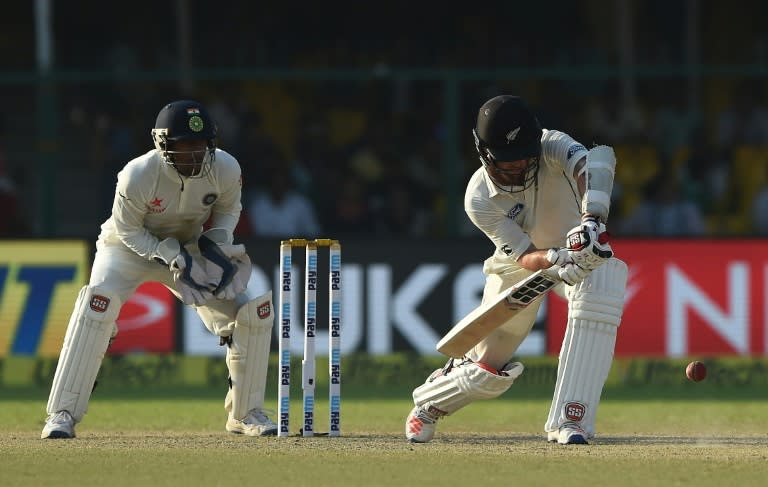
(654, 429)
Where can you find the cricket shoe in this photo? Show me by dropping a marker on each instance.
(568, 434)
(59, 425)
(420, 425)
(255, 423)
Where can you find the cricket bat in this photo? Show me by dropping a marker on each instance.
(481, 321)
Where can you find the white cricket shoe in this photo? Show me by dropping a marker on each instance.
(256, 423)
(420, 425)
(569, 434)
(59, 425)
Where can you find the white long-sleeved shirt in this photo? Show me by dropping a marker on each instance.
(542, 214)
(154, 202)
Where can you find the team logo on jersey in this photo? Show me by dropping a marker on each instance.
(512, 135)
(574, 149)
(263, 310)
(156, 205)
(516, 210)
(99, 303)
(574, 411)
(209, 199)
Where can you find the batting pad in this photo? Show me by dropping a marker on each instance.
(594, 314)
(90, 327)
(463, 384)
(248, 356)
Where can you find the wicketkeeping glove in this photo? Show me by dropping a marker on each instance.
(192, 282)
(226, 264)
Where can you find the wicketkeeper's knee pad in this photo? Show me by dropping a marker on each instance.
(449, 389)
(595, 307)
(248, 356)
(90, 328)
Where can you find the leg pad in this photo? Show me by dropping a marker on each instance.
(90, 328)
(248, 356)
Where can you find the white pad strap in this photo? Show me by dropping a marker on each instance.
(445, 394)
(90, 328)
(248, 356)
(594, 314)
(601, 168)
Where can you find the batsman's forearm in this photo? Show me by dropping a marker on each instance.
(534, 259)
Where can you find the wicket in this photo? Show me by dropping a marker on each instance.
(310, 327)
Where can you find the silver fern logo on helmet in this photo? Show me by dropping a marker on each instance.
(512, 135)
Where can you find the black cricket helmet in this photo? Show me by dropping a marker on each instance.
(185, 120)
(507, 130)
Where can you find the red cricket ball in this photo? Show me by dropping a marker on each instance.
(696, 371)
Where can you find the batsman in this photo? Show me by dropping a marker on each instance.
(543, 199)
(162, 200)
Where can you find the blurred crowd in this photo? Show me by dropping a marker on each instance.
(348, 155)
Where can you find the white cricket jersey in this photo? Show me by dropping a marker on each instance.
(154, 202)
(542, 214)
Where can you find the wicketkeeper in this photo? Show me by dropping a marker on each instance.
(543, 200)
(155, 233)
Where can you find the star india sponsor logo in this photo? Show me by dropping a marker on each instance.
(156, 205)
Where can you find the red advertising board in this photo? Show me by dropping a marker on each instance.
(687, 297)
(146, 322)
